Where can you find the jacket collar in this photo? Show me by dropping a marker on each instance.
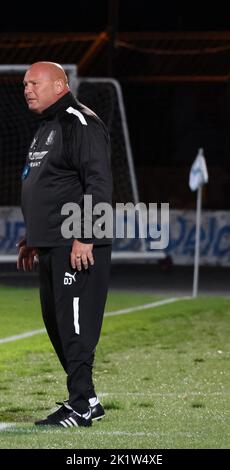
(66, 100)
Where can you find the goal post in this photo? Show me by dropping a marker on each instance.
(112, 87)
(16, 69)
(17, 126)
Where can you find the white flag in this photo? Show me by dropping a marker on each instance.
(198, 173)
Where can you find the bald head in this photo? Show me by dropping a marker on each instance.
(45, 83)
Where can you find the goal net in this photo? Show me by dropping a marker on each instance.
(18, 125)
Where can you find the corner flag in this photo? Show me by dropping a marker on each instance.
(197, 177)
(198, 173)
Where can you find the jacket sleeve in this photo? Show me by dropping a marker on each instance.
(94, 157)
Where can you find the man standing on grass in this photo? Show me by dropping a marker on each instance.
(69, 158)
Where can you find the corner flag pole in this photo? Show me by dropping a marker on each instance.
(197, 242)
(197, 177)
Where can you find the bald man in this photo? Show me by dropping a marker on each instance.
(44, 84)
(68, 159)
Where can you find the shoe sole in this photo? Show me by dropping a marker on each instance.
(98, 418)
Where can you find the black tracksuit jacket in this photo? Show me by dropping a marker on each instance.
(69, 157)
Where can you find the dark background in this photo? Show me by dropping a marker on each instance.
(168, 122)
(134, 15)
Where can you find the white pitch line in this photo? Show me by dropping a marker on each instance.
(16, 428)
(4, 426)
(22, 335)
(107, 314)
(158, 303)
(162, 394)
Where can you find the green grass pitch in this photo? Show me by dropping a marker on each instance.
(162, 375)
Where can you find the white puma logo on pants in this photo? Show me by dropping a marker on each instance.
(69, 278)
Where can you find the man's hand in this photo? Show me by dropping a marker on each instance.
(26, 256)
(82, 253)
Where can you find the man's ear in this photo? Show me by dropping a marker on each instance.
(59, 86)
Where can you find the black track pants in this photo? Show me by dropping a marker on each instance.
(72, 307)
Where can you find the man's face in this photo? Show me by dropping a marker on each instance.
(39, 91)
